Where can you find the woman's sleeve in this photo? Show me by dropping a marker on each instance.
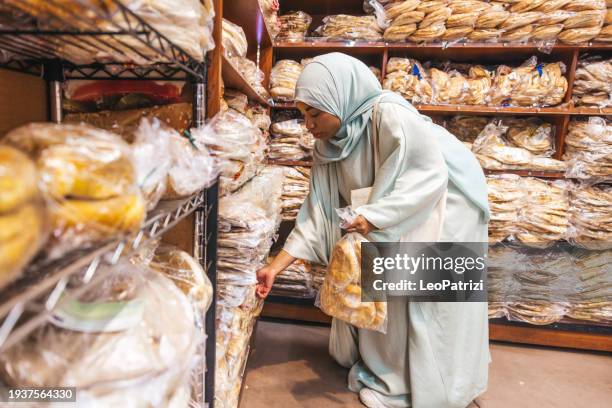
(308, 239)
(410, 155)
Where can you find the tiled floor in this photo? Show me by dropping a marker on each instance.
(290, 368)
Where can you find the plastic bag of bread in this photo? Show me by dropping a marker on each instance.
(188, 23)
(340, 295)
(283, 79)
(466, 128)
(589, 216)
(187, 274)
(234, 40)
(23, 227)
(134, 315)
(531, 134)
(593, 82)
(236, 100)
(294, 26)
(505, 197)
(348, 27)
(578, 35)
(87, 179)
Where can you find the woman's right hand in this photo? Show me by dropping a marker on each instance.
(265, 280)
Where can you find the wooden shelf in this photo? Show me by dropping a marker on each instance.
(529, 173)
(495, 110)
(232, 78)
(590, 111)
(284, 105)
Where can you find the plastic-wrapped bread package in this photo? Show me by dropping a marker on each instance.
(466, 128)
(290, 141)
(236, 100)
(283, 79)
(345, 27)
(605, 35)
(589, 150)
(295, 281)
(408, 78)
(543, 217)
(593, 82)
(177, 116)
(296, 186)
(505, 198)
(270, 12)
(531, 84)
(134, 315)
(234, 40)
(186, 23)
(589, 217)
(502, 261)
(236, 143)
(492, 148)
(340, 295)
(591, 300)
(23, 219)
(585, 22)
(187, 274)
(248, 220)
(531, 134)
(318, 275)
(252, 74)
(259, 116)
(87, 179)
(294, 26)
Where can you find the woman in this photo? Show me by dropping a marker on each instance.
(428, 187)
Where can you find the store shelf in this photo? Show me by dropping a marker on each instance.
(113, 29)
(39, 291)
(483, 109)
(283, 105)
(301, 163)
(232, 78)
(590, 111)
(529, 173)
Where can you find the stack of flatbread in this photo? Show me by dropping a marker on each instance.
(591, 223)
(589, 149)
(593, 83)
(408, 78)
(283, 79)
(347, 27)
(505, 197)
(295, 189)
(295, 281)
(291, 140)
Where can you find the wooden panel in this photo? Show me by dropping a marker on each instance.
(182, 235)
(214, 65)
(590, 111)
(294, 312)
(324, 7)
(496, 110)
(23, 99)
(549, 337)
(248, 15)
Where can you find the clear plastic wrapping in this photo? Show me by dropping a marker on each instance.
(589, 150)
(505, 196)
(234, 40)
(340, 295)
(593, 83)
(296, 186)
(283, 79)
(236, 100)
(186, 23)
(87, 179)
(543, 217)
(408, 78)
(295, 281)
(23, 228)
(294, 26)
(134, 316)
(345, 27)
(270, 12)
(290, 140)
(590, 224)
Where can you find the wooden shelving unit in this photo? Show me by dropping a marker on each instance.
(564, 334)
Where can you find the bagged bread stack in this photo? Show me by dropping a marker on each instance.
(403, 18)
(605, 35)
(318, 275)
(590, 301)
(290, 141)
(454, 88)
(235, 44)
(260, 118)
(593, 83)
(22, 214)
(543, 217)
(345, 27)
(187, 23)
(585, 21)
(270, 13)
(294, 26)
(591, 226)
(236, 143)
(408, 78)
(466, 128)
(531, 84)
(283, 79)
(295, 189)
(505, 198)
(136, 315)
(340, 295)
(295, 281)
(589, 150)
(464, 16)
(248, 221)
(88, 180)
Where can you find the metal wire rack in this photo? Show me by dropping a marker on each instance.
(28, 302)
(122, 44)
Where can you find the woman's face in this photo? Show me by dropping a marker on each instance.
(322, 125)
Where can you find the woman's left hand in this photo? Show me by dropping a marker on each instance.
(361, 225)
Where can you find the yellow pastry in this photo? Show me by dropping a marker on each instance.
(18, 179)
